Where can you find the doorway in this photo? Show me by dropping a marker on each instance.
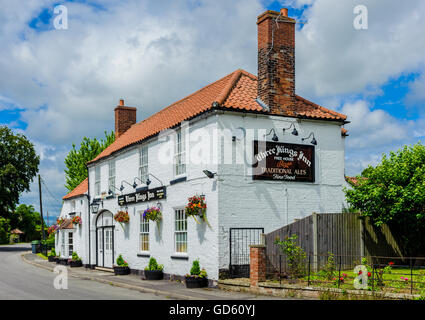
(105, 240)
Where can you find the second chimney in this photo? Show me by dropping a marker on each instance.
(125, 117)
(276, 61)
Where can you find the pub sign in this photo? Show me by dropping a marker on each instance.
(283, 161)
(142, 196)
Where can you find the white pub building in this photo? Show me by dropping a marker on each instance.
(260, 156)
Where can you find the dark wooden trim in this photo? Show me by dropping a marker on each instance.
(182, 179)
(179, 257)
(144, 255)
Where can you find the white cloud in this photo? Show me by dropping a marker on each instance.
(335, 59)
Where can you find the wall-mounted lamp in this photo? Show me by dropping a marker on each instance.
(238, 134)
(313, 141)
(134, 182)
(122, 187)
(294, 132)
(275, 138)
(148, 182)
(209, 174)
(110, 192)
(159, 205)
(94, 207)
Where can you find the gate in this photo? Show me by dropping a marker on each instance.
(240, 239)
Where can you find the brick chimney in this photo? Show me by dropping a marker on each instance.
(125, 117)
(276, 61)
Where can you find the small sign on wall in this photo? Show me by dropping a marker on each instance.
(283, 161)
(143, 196)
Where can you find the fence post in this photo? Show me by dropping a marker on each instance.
(315, 262)
(309, 268)
(411, 276)
(257, 267)
(361, 221)
(280, 269)
(339, 271)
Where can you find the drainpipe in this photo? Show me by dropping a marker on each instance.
(88, 210)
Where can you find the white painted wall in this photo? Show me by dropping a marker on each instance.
(244, 202)
(233, 198)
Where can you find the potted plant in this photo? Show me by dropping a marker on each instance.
(122, 267)
(58, 258)
(122, 217)
(153, 214)
(197, 208)
(52, 255)
(75, 261)
(77, 220)
(197, 277)
(154, 270)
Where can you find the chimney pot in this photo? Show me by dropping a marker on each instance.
(284, 12)
(125, 117)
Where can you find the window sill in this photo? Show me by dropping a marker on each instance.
(177, 180)
(145, 254)
(181, 256)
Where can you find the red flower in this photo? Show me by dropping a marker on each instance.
(360, 272)
(391, 263)
(369, 274)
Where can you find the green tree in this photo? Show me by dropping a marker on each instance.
(18, 167)
(76, 159)
(26, 219)
(393, 193)
(4, 230)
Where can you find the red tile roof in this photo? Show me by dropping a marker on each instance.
(354, 180)
(236, 91)
(79, 190)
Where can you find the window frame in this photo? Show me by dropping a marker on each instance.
(144, 230)
(70, 243)
(143, 163)
(97, 180)
(178, 231)
(179, 158)
(111, 177)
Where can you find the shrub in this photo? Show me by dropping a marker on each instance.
(121, 262)
(295, 255)
(52, 253)
(196, 269)
(153, 265)
(75, 257)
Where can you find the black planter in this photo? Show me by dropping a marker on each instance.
(196, 282)
(75, 264)
(57, 260)
(121, 271)
(154, 274)
(51, 258)
(63, 261)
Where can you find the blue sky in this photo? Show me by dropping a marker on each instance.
(55, 81)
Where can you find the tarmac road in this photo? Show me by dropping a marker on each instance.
(21, 281)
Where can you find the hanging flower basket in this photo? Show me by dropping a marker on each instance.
(122, 217)
(77, 220)
(153, 214)
(60, 221)
(53, 229)
(197, 209)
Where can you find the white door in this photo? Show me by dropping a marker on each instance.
(108, 248)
